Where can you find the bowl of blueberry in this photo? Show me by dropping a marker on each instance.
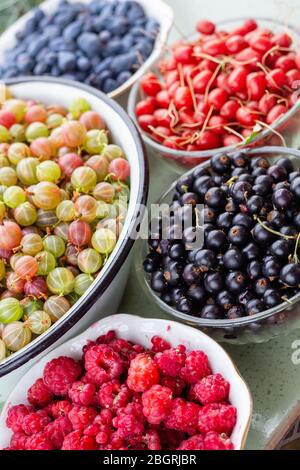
(107, 44)
(232, 84)
(241, 282)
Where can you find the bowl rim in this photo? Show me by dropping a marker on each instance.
(102, 283)
(132, 100)
(221, 323)
(166, 21)
(125, 318)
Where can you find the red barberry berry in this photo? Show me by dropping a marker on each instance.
(215, 441)
(60, 373)
(211, 389)
(156, 403)
(102, 364)
(142, 373)
(196, 367)
(39, 394)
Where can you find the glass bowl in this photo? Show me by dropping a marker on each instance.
(286, 130)
(257, 328)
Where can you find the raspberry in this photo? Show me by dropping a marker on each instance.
(104, 417)
(103, 435)
(211, 389)
(60, 408)
(34, 423)
(129, 420)
(175, 384)
(81, 416)
(142, 373)
(113, 395)
(159, 344)
(82, 394)
(57, 430)
(15, 417)
(193, 443)
(39, 395)
(76, 441)
(183, 416)
(196, 367)
(215, 441)
(217, 417)
(152, 440)
(156, 403)
(38, 442)
(18, 441)
(116, 442)
(60, 373)
(171, 361)
(102, 364)
(107, 338)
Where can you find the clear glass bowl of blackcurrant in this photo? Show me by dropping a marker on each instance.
(243, 284)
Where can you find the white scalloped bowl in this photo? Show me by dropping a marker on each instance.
(141, 330)
(156, 9)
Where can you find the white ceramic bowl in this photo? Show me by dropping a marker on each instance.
(104, 295)
(156, 9)
(141, 330)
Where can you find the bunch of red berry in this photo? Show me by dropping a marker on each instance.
(122, 396)
(221, 89)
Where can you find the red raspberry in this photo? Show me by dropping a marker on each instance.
(175, 384)
(196, 367)
(129, 420)
(35, 422)
(152, 440)
(76, 441)
(82, 394)
(156, 403)
(113, 395)
(215, 441)
(102, 364)
(183, 416)
(104, 417)
(159, 344)
(60, 373)
(142, 373)
(18, 441)
(38, 442)
(171, 361)
(16, 415)
(103, 436)
(211, 389)
(217, 417)
(107, 337)
(82, 416)
(39, 395)
(116, 442)
(57, 430)
(60, 408)
(193, 443)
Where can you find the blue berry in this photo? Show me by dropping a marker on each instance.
(41, 68)
(109, 85)
(83, 63)
(89, 43)
(73, 30)
(66, 61)
(25, 63)
(36, 46)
